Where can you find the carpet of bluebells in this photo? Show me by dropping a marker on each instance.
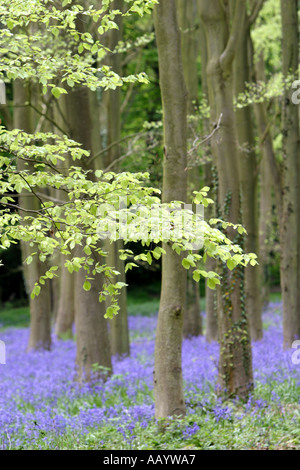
(41, 402)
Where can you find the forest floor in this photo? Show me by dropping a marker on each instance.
(43, 407)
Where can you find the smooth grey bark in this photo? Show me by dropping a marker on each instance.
(92, 338)
(270, 187)
(289, 223)
(168, 382)
(188, 24)
(93, 355)
(211, 326)
(65, 307)
(118, 326)
(40, 306)
(65, 316)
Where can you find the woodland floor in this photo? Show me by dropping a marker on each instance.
(42, 406)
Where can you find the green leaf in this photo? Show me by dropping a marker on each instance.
(241, 230)
(87, 285)
(212, 282)
(87, 250)
(186, 263)
(231, 264)
(35, 291)
(57, 91)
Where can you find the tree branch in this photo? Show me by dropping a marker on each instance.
(238, 23)
(113, 144)
(196, 144)
(255, 11)
(44, 115)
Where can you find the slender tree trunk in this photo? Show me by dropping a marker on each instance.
(270, 182)
(118, 326)
(211, 264)
(92, 339)
(65, 306)
(265, 227)
(222, 35)
(187, 22)
(289, 266)
(168, 383)
(211, 333)
(93, 348)
(248, 173)
(270, 186)
(40, 306)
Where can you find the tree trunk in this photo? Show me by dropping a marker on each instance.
(187, 22)
(118, 326)
(211, 333)
(248, 173)
(235, 364)
(93, 348)
(66, 304)
(64, 301)
(289, 266)
(168, 383)
(92, 339)
(270, 182)
(40, 306)
(265, 227)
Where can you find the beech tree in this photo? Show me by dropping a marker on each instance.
(223, 27)
(168, 383)
(188, 18)
(248, 175)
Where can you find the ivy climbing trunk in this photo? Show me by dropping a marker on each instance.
(222, 29)
(248, 176)
(168, 382)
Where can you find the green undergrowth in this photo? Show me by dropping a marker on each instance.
(268, 426)
(14, 316)
(140, 301)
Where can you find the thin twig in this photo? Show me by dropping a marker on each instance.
(196, 144)
(117, 142)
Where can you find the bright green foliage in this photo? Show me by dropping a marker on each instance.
(40, 42)
(266, 37)
(96, 209)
